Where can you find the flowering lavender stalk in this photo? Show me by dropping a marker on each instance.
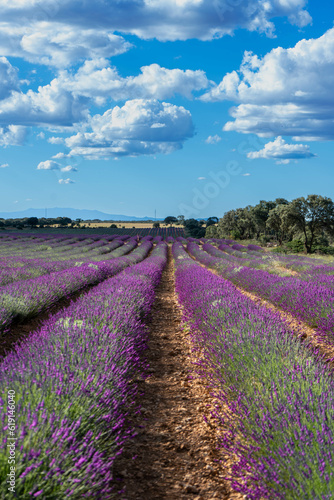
(307, 301)
(73, 383)
(277, 411)
(28, 298)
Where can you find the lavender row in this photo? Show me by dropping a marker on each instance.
(33, 269)
(28, 298)
(277, 399)
(51, 247)
(308, 301)
(254, 256)
(73, 390)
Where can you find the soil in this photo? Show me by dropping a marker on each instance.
(175, 451)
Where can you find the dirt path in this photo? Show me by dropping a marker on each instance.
(175, 449)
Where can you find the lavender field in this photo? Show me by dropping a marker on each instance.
(73, 388)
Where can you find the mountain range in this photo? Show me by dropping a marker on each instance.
(72, 213)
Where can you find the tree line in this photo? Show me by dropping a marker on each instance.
(193, 227)
(308, 222)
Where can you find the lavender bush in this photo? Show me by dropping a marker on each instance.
(308, 301)
(73, 389)
(23, 299)
(277, 398)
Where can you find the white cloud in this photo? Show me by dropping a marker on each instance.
(8, 78)
(96, 79)
(201, 178)
(282, 151)
(128, 131)
(69, 168)
(287, 92)
(56, 44)
(246, 175)
(161, 19)
(12, 135)
(59, 156)
(4, 165)
(66, 181)
(213, 139)
(66, 99)
(48, 165)
(50, 105)
(55, 140)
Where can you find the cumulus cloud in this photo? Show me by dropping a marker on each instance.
(50, 105)
(66, 181)
(69, 168)
(48, 165)
(59, 156)
(4, 165)
(12, 135)
(8, 78)
(129, 131)
(213, 139)
(161, 19)
(287, 92)
(282, 151)
(55, 44)
(55, 140)
(65, 101)
(97, 79)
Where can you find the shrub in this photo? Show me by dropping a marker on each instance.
(295, 246)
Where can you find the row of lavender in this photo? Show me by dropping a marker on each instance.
(308, 301)
(73, 388)
(276, 411)
(62, 247)
(57, 248)
(23, 258)
(254, 256)
(23, 299)
(13, 269)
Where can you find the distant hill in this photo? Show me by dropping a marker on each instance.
(72, 213)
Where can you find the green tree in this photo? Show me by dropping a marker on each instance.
(63, 221)
(311, 216)
(156, 224)
(32, 221)
(211, 232)
(170, 220)
(260, 215)
(277, 222)
(211, 221)
(227, 223)
(194, 228)
(181, 220)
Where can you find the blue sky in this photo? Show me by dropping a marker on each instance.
(187, 107)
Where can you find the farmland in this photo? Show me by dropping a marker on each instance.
(154, 366)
